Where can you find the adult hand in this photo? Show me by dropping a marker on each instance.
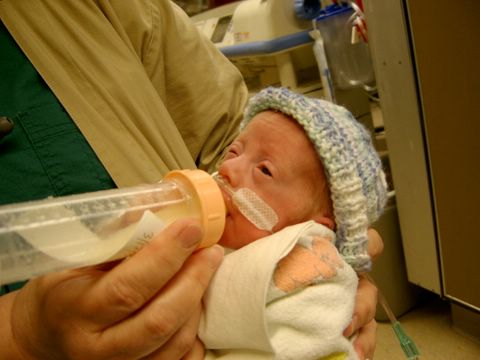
(197, 352)
(363, 321)
(145, 307)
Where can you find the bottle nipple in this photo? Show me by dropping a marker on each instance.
(250, 205)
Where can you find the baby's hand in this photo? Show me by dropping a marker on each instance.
(305, 265)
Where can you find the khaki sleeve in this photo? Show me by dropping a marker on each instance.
(203, 91)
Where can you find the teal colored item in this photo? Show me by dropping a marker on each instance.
(45, 154)
(408, 346)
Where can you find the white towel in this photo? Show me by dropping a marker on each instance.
(259, 306)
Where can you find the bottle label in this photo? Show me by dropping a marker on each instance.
(143, 232)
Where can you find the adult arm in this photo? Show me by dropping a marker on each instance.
(204, 92)
(145, 306)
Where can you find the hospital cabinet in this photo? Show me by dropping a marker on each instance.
(426, 58)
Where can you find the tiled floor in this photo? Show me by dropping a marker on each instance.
(430, 326)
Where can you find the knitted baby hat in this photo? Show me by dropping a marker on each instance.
(352, 166)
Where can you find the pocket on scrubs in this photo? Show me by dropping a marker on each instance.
(47, 155)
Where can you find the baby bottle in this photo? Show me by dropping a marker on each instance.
(73, 231)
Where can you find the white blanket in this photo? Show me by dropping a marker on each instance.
(263, 304)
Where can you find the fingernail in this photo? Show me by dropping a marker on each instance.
(349, 330)
(215, 255)
(6, 126)
(190, 235)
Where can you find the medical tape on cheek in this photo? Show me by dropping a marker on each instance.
(257, 211)
(250, 205)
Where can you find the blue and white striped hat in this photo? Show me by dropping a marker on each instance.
(352, 165)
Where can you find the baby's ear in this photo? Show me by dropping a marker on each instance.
(325, 220)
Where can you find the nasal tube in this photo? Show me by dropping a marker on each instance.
(61, 233)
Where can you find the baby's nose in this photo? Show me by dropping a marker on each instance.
(231, 171)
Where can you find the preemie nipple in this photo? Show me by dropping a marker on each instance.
(250, 205)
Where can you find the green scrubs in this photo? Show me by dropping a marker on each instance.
(45, 154)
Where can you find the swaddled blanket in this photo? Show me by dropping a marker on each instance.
(287, 296)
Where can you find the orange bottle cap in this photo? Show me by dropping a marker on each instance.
(210, 198)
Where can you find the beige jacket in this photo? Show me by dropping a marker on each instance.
(148, 91)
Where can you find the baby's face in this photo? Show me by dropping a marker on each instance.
(274, 158)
